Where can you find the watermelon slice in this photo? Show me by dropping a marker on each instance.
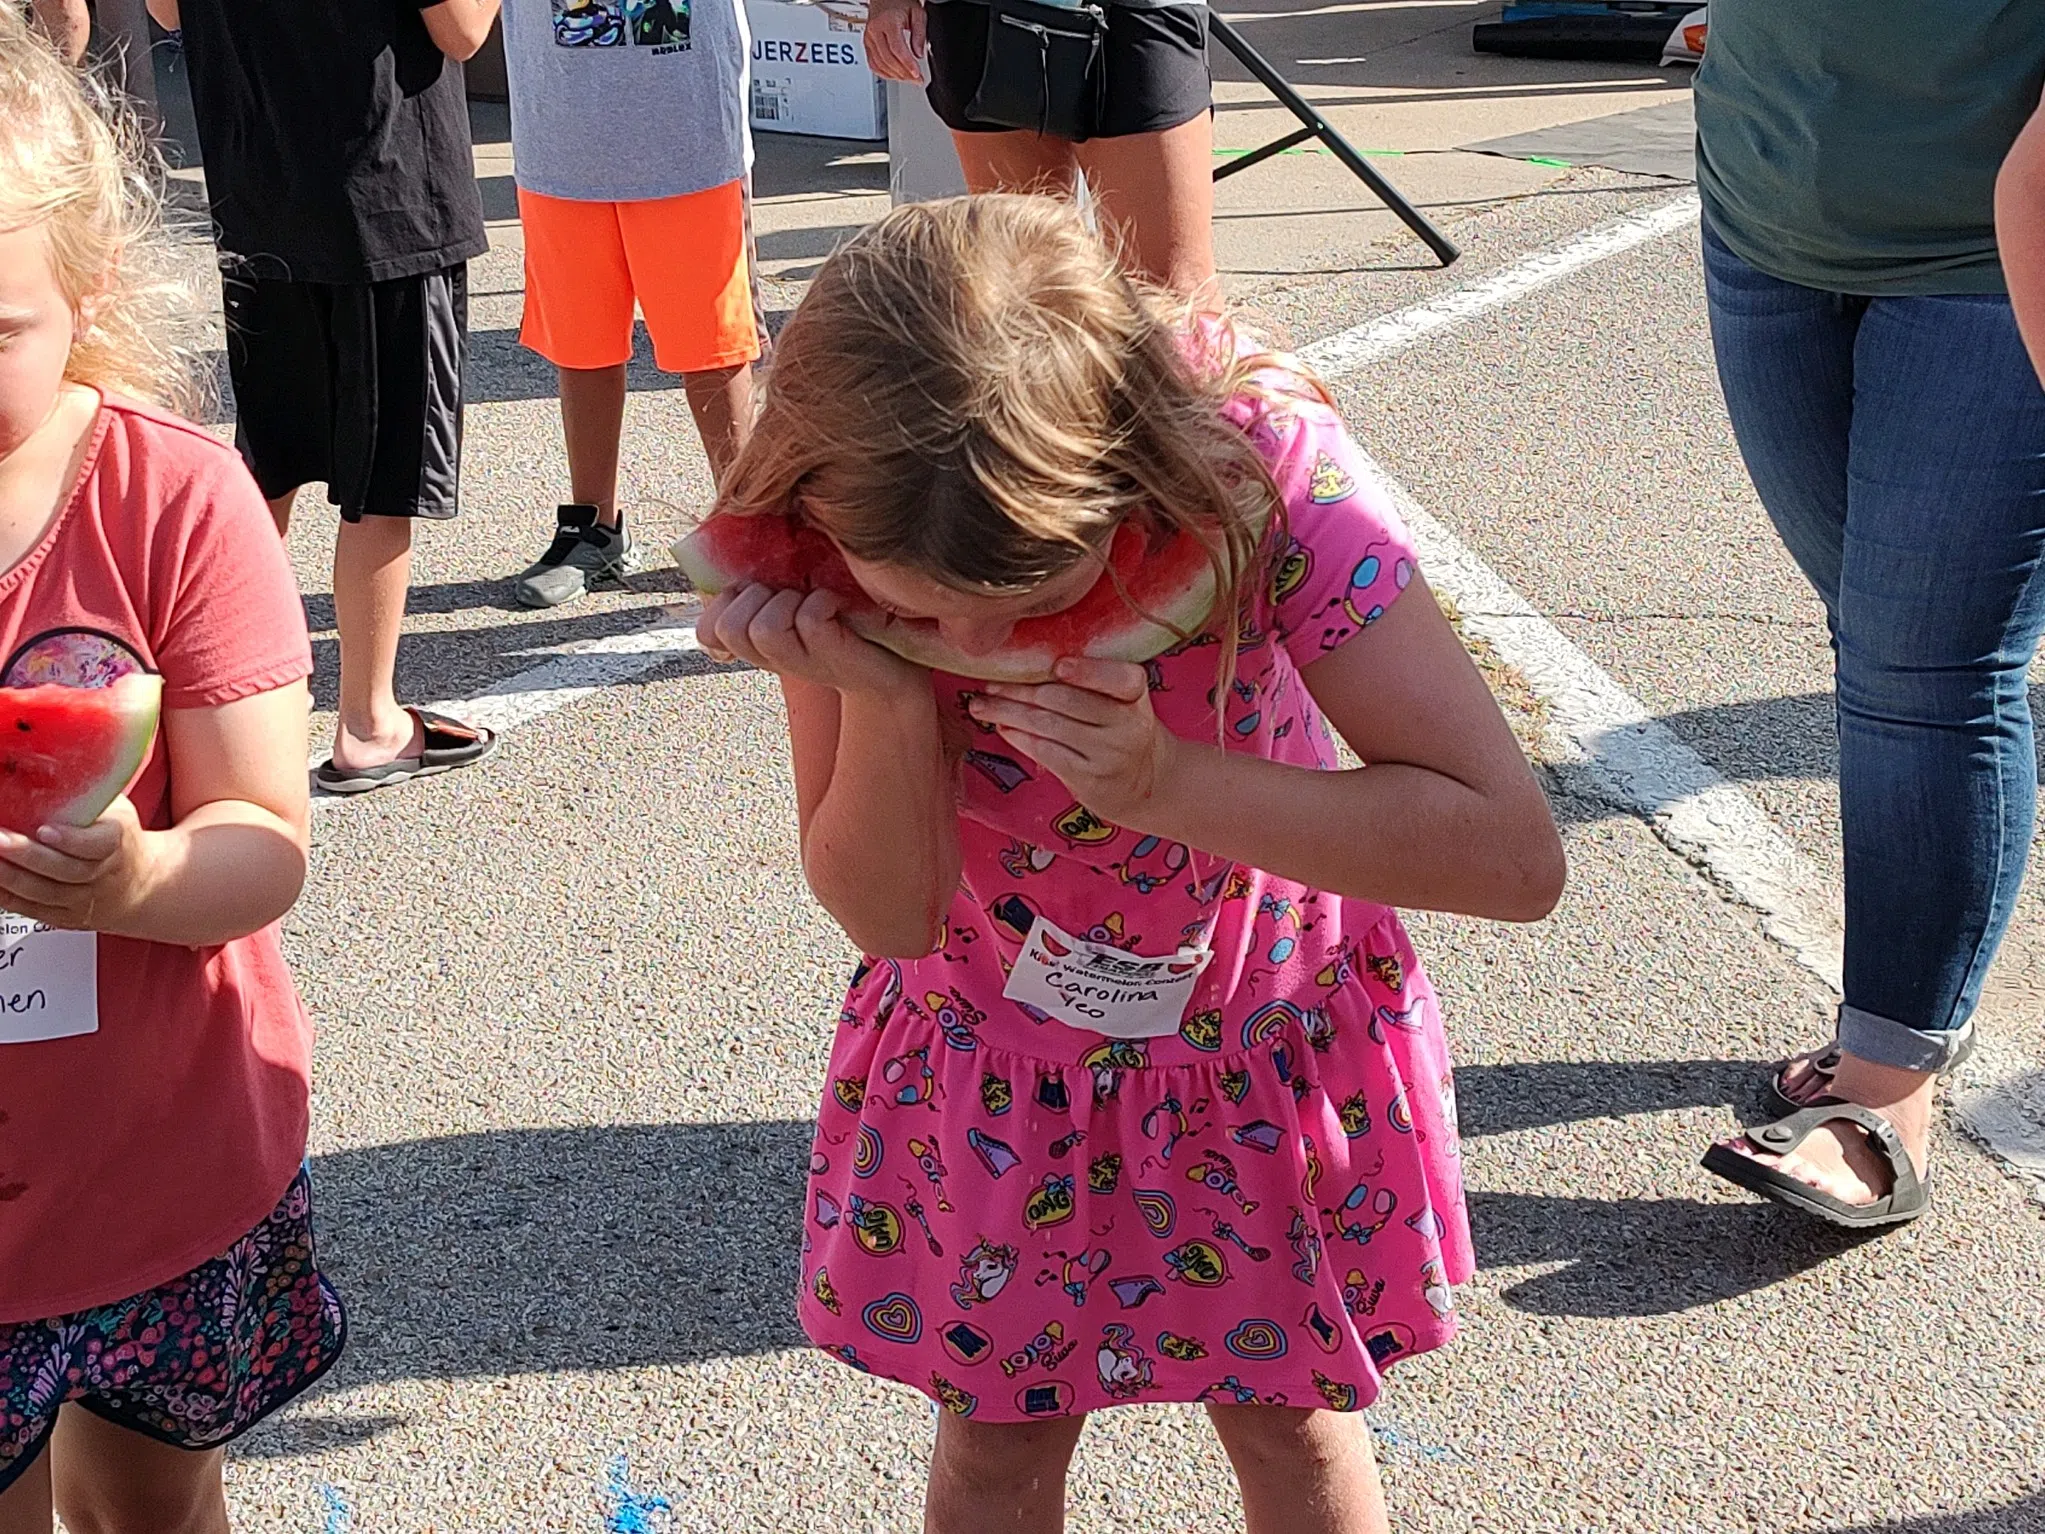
(1173, 584)
(66, 753)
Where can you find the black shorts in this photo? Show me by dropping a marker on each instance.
(1154, 63)
(354, 385)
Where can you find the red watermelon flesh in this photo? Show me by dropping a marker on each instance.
(1172, 584)
(66, 753)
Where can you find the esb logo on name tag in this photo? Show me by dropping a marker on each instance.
(49, 981)
(1102, 989)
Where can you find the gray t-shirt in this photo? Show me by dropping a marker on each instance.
(1853, 145)
(625, 100)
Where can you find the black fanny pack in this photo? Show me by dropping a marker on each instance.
(1043, 71)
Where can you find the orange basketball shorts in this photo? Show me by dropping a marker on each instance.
(681, 259)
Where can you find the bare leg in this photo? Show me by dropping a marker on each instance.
(1303, 1472)
(280, 511)
(1155, 191)
(372, 569)
(1016, 162)
(111, 1481)
(25, 1506)
(592, 422)
(999, 1476)
(722, 403)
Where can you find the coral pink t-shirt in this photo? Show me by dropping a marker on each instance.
(132, 1154)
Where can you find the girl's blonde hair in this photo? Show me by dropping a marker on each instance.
(975, 390)
(73, 161)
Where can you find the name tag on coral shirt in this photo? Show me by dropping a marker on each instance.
(1102, 989)
(49, 981)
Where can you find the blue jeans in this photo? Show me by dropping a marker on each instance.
(1898, 445)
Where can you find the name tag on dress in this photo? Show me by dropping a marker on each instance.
(1102, 989)
(49, 981)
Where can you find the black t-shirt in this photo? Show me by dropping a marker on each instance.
(336, 138)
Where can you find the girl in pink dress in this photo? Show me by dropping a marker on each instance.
(1048, 1176)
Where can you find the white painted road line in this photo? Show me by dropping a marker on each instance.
(1636, 760)
(576, 671)
(568, 675)
(1344, 352)
(1640, 766)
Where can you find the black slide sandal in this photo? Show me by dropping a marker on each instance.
(1907, 1198)
(447, 744)
(1825, 1061)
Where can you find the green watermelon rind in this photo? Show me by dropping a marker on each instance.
(1139, 639)
(143, 714)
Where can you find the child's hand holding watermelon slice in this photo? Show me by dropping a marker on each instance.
(797, 634)
(81, 877)
(1095, 730)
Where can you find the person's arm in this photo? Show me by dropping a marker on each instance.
(232, 861)
(874, 792)
(67, 23)
(458, 27)
(1446, 816)
(2020, 233)
(874, 796)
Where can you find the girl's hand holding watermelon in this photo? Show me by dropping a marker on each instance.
(1094, 730)
(79, 877)
(794, 634)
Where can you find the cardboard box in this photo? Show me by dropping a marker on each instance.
(809, 70)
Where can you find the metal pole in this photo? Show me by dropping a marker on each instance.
(1319, 127)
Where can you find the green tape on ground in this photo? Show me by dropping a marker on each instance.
(1547, 159)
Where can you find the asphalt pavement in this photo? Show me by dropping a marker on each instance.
(574, 1005)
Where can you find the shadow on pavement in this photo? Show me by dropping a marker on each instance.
(1501, 1099)
(1643, 1257)
(1788, 738)
(594, 1248)
(537, 1250)
(797, 165)
(499, 369)
(494, 594)
(2025, 1517)
(305, 1432)
(466, 663)
(1785, 737)
(1627, 1257)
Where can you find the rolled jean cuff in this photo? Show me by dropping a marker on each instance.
(1885, 1042)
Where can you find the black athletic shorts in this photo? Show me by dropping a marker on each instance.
(354, 385)
(1155, 64)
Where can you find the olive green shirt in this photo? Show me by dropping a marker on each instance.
(1852, 145)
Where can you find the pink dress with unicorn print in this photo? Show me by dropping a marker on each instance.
(1024, 1218)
